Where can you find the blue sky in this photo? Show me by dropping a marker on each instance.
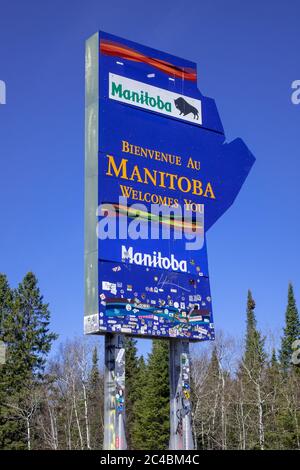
(247, 55)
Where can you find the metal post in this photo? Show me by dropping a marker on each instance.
(114, 393)
(181, 435)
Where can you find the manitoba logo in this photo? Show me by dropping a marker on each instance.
(141, 97)
(154, 99)
(155, 260)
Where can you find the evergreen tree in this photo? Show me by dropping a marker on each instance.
(132, 386)
(273, 387)
(252, 371)
(213, 368)
(151, 430)
(254, 356)
(291, 331)
(289, 417)
(208, 421)
(6, 297)
(142, 373)
(95, 400)
(32, 325)
(11, 431)
(138, 432)
(25, 330)
(274, 362)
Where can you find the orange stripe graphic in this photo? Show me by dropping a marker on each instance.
(114, 49)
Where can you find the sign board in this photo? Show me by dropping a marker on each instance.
(158, 175)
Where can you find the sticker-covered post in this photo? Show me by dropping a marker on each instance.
(114, 378)
(114, 393)
(181, 436)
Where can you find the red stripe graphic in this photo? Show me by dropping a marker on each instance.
(119, 50)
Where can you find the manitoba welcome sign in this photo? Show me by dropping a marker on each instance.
(158, 175)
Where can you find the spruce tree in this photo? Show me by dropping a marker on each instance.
(151, 430)
(138, 431)
(291, 331)
(210, 405)
(274, 362)
(6, 297)
(213, 367)
(252, 369)
(254, 356)
(32, 328)
(132, 385)
(25, 330)
(11, 431)
(95, 401)
(273, 403)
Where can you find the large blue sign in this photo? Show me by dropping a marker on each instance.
(158, 175)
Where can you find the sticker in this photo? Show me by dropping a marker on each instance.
(106, 285)
(120, 355)
(116, 269)
(126, 330)
(110, 286)
(91, 323)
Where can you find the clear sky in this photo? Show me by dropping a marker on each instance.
(247, 55)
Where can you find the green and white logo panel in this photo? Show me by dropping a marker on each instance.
(154, 99)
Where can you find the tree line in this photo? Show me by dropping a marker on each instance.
(244, 397)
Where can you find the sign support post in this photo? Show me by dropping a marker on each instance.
(181, 435)
(114, 393)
